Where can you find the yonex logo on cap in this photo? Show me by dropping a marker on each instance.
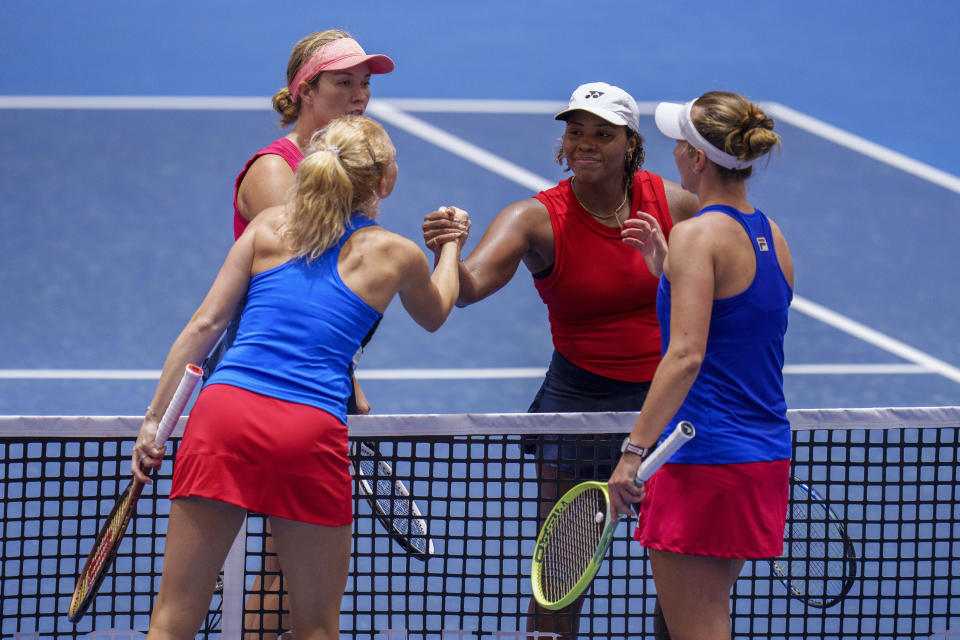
(593, 94)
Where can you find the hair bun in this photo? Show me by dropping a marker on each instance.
(736, 126)
(284, 105)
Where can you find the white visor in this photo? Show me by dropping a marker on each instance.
(674, 121)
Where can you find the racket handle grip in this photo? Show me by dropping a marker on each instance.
(180, 397)
(662, 453)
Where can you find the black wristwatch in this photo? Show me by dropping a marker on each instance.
(628, 447)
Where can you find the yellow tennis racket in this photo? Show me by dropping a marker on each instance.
(577, 532)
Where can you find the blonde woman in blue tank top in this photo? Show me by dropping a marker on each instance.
(724, 295)
(268, 431)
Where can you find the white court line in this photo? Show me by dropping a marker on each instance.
(252, 103)
(138, 103)
(79, 374)
(499, 373)
(861, 145)
(853, 369)
(458, 146)
(390, 111)
(874, 337)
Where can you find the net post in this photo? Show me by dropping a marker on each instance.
(231, 624)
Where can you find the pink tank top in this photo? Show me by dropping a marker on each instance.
(283, 148)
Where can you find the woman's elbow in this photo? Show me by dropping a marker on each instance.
(433, 319)
(474, 288)
(202, 325)
(688, 363)
(433, 324)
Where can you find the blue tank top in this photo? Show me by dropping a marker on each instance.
(736, 403)
(298, 332)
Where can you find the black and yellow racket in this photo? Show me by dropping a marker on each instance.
(819, 563)
(108, 540)
(577, 532)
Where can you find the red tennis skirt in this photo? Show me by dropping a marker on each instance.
(722, 511)
(266, 455)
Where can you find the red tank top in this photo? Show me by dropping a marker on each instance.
(600, 296)
(283, 148)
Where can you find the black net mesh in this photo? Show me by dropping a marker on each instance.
(894, 488)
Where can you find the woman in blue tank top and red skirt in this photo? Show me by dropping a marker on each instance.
(328, 75)
(723, 302)
(268, 431)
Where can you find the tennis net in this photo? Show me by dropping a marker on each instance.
(890, 475)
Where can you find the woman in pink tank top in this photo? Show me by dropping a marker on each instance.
(328, 75)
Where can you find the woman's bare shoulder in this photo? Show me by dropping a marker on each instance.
(683, 204)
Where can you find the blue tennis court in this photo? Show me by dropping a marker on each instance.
(114, 250)
(118, 212)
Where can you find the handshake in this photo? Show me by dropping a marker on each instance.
(446, 224)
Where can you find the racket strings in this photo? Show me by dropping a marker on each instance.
(390, 495)
(392, 499)
(815, 552)
(111, 534)
(573, 543)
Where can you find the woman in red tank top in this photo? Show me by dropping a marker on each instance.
(579, 242)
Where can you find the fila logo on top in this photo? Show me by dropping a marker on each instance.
(593, 94)
(762, 243)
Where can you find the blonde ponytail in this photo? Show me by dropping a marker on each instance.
(340, 175)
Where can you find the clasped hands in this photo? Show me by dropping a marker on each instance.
(446, 224)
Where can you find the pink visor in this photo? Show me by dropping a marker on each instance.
(338, 54)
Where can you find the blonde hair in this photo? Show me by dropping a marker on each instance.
(340, 174)
(736, 126)
(283, 102)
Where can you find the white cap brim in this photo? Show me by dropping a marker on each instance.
(667, 117)
(603, 114)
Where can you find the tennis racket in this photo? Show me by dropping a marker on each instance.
(108, 539)
(575, 536)
(390, 500)
(819, 563)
